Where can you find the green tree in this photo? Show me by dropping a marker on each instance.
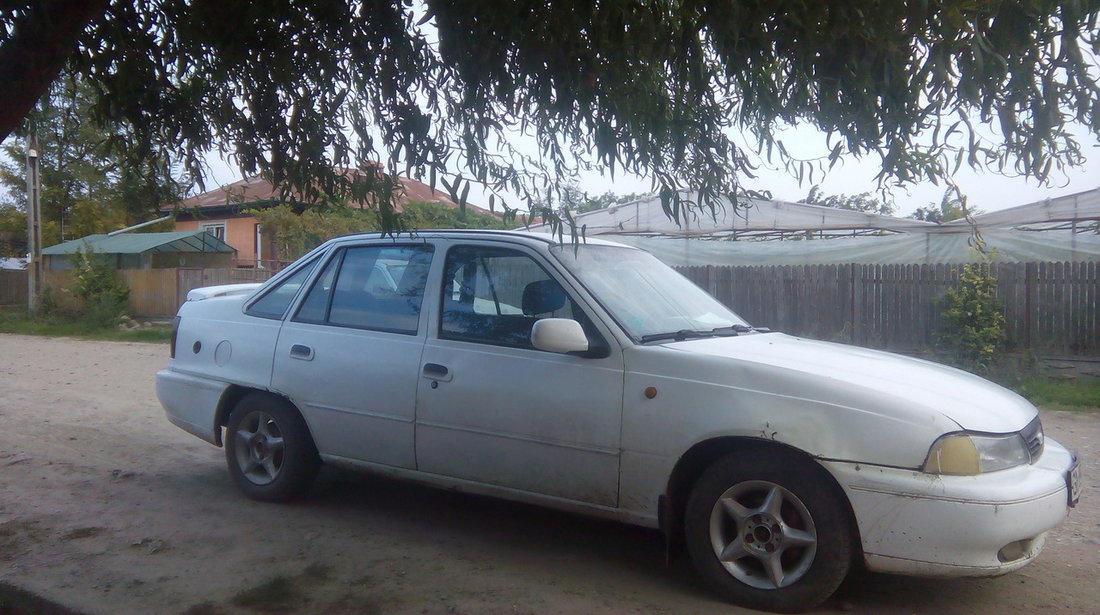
(973, 319)
(568, 196)
(297, 232)
(88, 185)
(418, 215)
(13, 232)
(668, 90)
(951, 207)
(863, 201)
(606, 200)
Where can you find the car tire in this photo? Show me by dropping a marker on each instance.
(269, 450)
(769, 530)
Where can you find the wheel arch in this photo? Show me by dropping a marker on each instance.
(229, 400)
(702, 455)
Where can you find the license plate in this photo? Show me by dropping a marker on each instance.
(1073, 483)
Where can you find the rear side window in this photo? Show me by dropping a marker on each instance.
(276, 300)
(370, 287)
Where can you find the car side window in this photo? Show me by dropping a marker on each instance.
(274, 302)
(315, 306)
(370, 287)
(495, 295)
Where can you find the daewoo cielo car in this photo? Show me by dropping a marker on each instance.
(591, 377)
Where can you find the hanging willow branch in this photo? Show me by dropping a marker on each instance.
(661, 88)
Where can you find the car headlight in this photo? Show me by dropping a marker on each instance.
(965, 454)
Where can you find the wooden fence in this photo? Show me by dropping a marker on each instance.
(13, 287)
(160, 292)
(154, 293)
(1050, 308)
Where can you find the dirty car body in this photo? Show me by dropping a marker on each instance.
(595, 379)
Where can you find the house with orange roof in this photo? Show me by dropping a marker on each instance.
(221, 212)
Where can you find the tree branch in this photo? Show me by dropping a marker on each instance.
(31, 59)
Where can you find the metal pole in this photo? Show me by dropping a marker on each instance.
(34, 224)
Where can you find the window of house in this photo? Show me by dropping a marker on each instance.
(216, 229)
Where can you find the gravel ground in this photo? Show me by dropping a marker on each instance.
(107, 508)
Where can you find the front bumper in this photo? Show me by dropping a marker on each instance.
(925, 524)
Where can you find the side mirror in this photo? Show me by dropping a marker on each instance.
(559, 335)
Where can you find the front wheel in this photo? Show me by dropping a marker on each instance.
(268, 448)
(769, 530)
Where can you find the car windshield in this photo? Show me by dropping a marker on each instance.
(647, 298)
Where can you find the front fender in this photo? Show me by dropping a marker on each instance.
(696, 398)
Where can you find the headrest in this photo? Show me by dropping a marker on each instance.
(542, 297)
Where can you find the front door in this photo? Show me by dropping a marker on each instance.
(493, 409)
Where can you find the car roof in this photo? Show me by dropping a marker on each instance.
(546, 238)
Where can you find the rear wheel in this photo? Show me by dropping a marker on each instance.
(769, 530)
(270, 453)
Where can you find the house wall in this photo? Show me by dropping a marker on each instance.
(240, 233)
(64, 262)
(56, 262)
(163, 260)
(148, 260)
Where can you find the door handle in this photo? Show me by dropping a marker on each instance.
(435, 371)
(302, 352)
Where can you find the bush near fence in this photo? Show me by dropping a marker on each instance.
(1050, 308)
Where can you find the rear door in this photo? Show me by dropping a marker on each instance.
(349, 357)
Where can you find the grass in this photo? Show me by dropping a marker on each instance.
(1078, 394)
(17, 320)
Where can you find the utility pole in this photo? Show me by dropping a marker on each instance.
(34, 224)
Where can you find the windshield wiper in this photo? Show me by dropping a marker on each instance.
(685, 334)
(679, 336)
(732, 330)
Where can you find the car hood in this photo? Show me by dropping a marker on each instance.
(971, 402)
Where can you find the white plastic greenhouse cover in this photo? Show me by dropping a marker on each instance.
(1060, 229)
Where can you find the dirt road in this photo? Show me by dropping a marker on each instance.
(108, 509)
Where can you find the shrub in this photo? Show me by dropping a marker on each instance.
(97, 283)
(973, 332)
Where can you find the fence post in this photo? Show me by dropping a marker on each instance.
(1031, 274)
(857, 303)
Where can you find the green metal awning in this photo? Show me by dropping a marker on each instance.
(140, 243)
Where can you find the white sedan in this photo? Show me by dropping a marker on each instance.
(595, 379)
